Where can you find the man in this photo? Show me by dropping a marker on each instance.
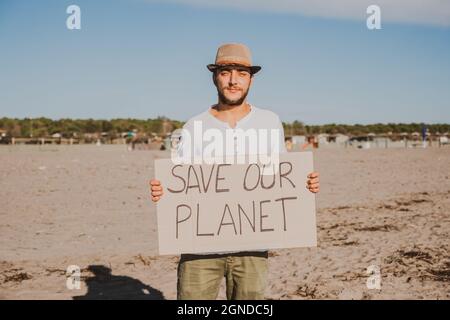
(200, 275)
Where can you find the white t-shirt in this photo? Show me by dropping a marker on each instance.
(260, 132)
(262, 123)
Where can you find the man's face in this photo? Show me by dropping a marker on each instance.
(233, 84)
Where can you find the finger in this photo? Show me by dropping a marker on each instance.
(313, 175)
(154, 199)
(315, 185)
(156, 188)
(157, 193)
(314, 189)
(312, 181)
(155, 182)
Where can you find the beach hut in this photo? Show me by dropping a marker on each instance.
(338, 138)
(5, 138)
(381, 141)
(415, 136)
(297, 142)
(173, 140)
(323, 138)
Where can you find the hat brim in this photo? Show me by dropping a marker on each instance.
(214, 67)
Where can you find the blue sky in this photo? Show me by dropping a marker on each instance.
(143, 59)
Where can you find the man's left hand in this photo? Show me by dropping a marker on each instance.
(312, 183)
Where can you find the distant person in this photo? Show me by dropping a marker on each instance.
(424, 135)
(200, 275)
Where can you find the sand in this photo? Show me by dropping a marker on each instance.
(89, 206)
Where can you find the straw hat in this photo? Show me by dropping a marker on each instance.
(233, 54)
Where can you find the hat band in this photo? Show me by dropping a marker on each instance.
(234, 61)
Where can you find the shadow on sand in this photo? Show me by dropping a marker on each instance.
(105, 286)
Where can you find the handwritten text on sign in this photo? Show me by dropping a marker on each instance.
(235, 207)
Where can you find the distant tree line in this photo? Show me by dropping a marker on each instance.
(44, 127)
(299, 128)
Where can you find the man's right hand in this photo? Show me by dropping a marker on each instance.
(156, 190)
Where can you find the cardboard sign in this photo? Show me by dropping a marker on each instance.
(212, 208)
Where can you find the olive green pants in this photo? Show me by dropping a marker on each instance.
(200, 276)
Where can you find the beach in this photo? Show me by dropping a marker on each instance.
(89, 206)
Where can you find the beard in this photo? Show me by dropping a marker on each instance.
(230, 102)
